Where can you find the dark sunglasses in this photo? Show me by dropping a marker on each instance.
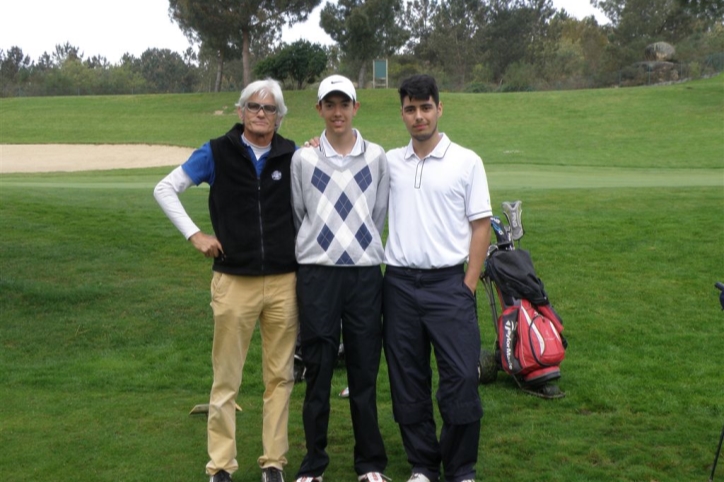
(254, 107)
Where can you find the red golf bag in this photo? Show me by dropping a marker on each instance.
(530, 345)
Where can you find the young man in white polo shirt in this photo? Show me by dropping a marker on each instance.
(439, 220)
(339, 194)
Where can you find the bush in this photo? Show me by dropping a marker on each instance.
(477, 87)
(519, 77)
(715, 62)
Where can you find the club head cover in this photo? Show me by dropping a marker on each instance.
(514, 213)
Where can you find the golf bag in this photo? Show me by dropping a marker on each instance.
(530, 345)
(529, 334)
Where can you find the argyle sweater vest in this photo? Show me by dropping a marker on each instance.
(340, 211)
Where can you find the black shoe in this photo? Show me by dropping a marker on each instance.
(221, 476)
(547, 391)
(271, 474)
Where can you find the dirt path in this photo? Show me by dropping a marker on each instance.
(74, 157)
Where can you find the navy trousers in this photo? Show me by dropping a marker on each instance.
(425, 310)
(325, 296)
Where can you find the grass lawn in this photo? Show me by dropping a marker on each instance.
(105, 327)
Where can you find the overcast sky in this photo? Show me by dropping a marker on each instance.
(111, 29)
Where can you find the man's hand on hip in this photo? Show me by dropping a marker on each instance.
(208, 245)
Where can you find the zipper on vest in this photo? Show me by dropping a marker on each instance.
(261, 225)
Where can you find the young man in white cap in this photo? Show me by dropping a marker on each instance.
(339, 194)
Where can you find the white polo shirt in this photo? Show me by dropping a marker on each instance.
(432, 202)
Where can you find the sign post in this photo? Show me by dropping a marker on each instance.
(379, 73)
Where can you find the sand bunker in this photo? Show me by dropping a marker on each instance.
(75, 157)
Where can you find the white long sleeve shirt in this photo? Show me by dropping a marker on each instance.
(166, 194)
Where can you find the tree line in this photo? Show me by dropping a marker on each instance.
(469, 45)
(66, 71)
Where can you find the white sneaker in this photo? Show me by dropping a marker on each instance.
(309, 478)
(372, 477)
(418, 477)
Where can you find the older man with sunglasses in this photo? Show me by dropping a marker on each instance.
(254, 269)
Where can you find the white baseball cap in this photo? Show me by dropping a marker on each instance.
(336, 83)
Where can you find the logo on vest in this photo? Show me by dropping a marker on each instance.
(276, 175)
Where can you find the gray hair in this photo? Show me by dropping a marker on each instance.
(265, 88)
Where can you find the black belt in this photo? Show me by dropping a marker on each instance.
(401, 270)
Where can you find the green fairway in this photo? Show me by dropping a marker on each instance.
(676, 126)
(502, 177)
(105, 325)
(574, 177)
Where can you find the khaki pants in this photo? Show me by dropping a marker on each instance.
(237, 303)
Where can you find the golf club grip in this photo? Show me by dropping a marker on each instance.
(719, 285)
